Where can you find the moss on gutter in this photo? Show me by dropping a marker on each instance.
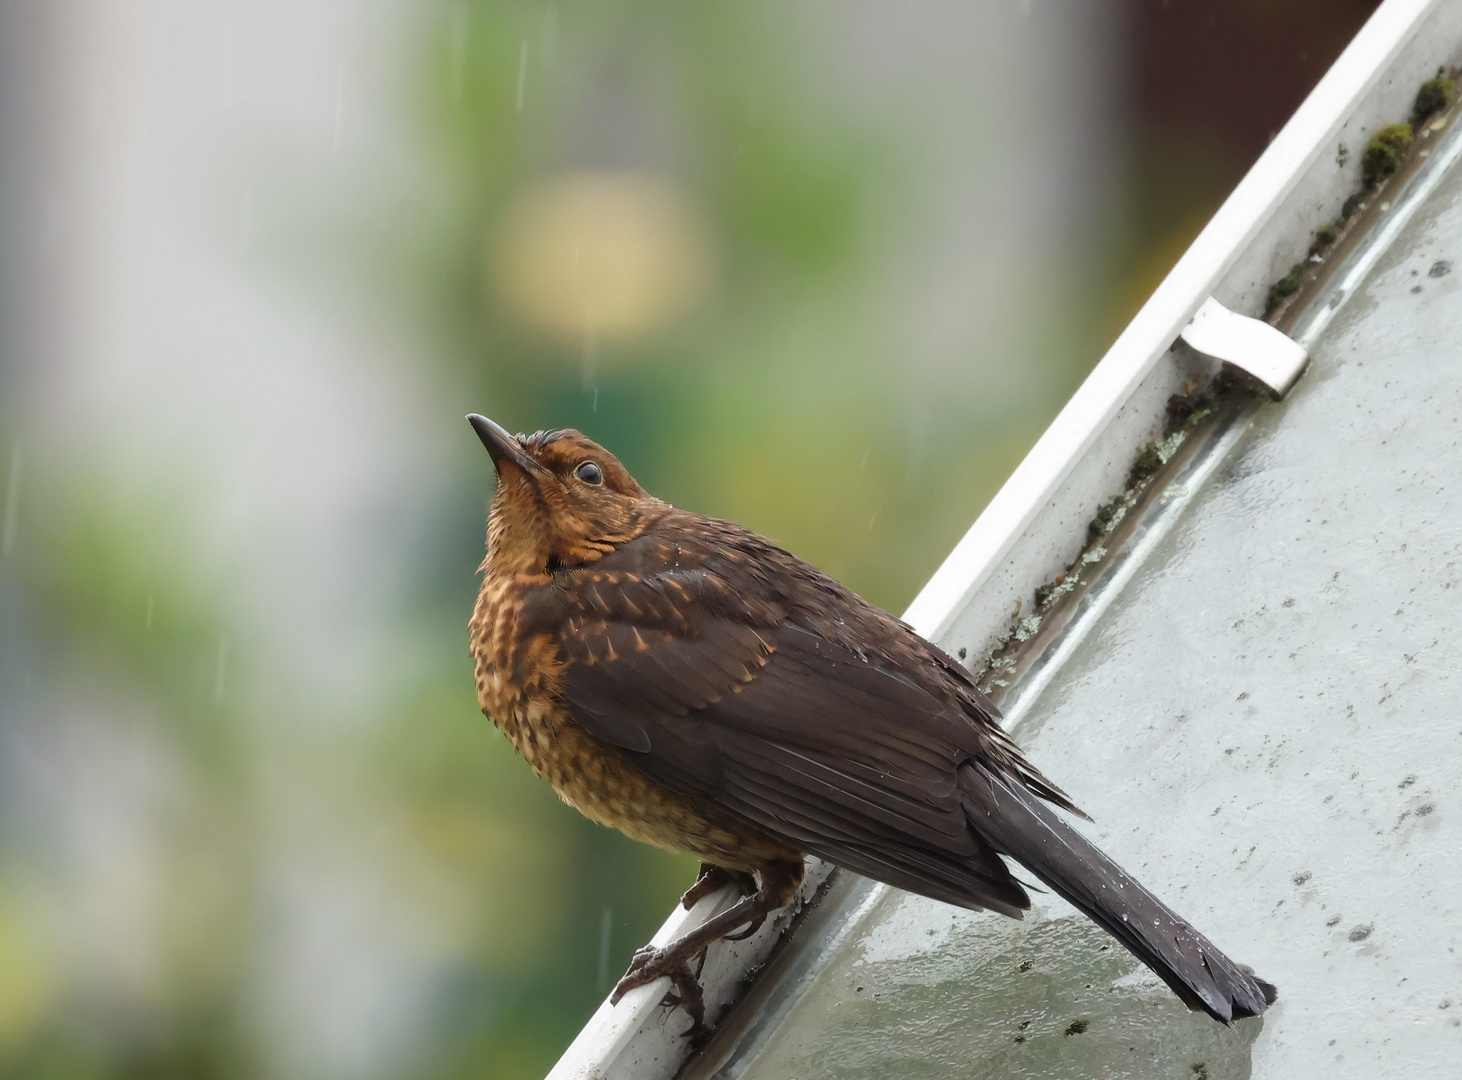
(1436, 95)
(1186, 414)
(1391, 150)
(1384, 153)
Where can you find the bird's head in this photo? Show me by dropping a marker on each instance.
(561, 500)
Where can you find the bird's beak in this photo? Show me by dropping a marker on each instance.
(501, 445)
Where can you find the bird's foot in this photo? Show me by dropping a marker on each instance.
(778, 884)
(650, 964)
(714, 877)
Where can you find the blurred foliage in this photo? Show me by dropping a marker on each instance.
(771, 405)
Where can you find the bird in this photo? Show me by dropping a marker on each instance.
(690, 683)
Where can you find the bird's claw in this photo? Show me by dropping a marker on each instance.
(692, 999)
(637, 975)
(751, 928)
(677, 960)
(649, 964)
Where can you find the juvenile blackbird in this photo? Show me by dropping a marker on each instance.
(691, 684)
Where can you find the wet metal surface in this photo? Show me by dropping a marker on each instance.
(1267, 728)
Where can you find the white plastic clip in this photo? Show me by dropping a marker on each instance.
(1248, 344)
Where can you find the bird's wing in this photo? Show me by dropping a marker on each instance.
(714, 688)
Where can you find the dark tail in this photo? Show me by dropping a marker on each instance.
(1017, 823)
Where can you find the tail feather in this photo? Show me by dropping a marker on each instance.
(1018, 824)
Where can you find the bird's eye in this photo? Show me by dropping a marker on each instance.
(590, 473)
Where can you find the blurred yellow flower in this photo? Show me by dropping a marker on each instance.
(601, 256)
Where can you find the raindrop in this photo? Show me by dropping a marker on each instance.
(339, 102)
(12, 505)
(590, 354)
(220, 668)
(459, 51)
(246, 220)
(606, 925)
(148, 624)
(522, 75)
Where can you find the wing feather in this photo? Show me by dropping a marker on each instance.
(761, 707)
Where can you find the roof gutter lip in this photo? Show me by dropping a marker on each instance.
(1151, 333)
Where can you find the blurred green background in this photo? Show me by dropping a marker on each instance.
(827, 270)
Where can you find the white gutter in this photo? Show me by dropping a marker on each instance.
(1036, 524)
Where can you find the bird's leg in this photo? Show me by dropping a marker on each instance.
(747, 884)
(713, 877)
(778, 883)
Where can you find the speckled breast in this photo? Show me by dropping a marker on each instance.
(519, 683)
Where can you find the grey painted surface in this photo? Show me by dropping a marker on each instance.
(1268, 731)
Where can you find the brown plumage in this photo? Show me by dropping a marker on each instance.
(691, 684)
